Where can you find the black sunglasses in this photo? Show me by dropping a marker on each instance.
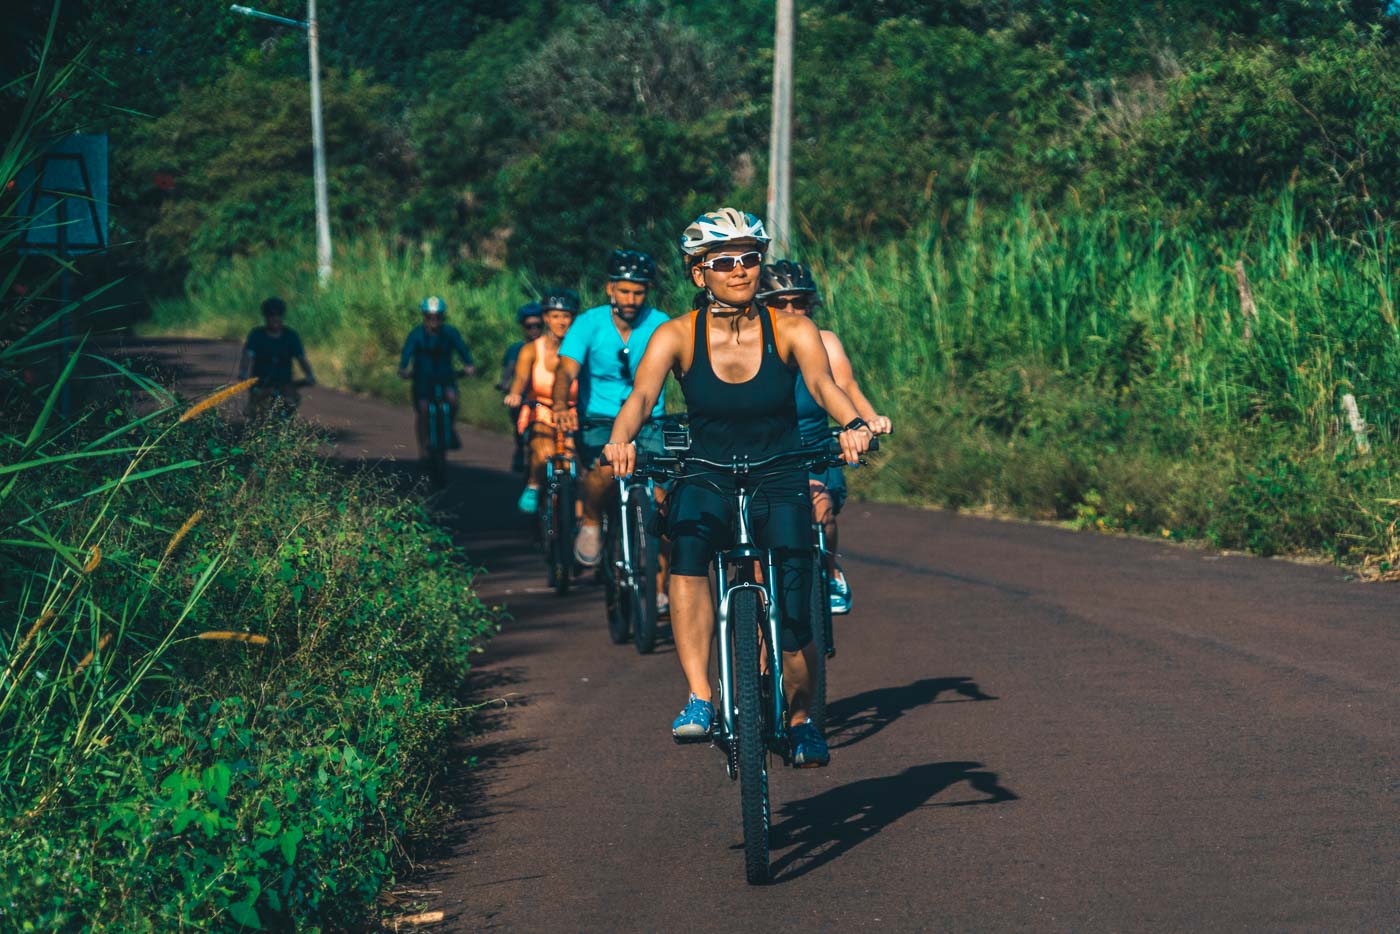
(798, 303)
(532, 325)
(624, 360)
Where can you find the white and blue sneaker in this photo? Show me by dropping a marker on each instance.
(840, 593)
(529, 501)
(809, 749)
(695, 721)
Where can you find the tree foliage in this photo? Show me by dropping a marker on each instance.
(526, 132)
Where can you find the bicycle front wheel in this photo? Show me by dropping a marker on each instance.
(753, 747)
(644, 565)
(562, 547)
(819, 612)
(616, 598)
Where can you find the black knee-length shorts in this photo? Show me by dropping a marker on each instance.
(702, 520)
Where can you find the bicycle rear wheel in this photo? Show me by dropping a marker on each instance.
(752, 738)
(644, 565)
(619, 609)
(820, 614)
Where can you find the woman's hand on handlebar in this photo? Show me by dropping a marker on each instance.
(566, 419)
(512, 400)
(881, 425)
(621, 457)
(854, 443)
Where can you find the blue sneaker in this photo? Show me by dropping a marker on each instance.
(695, 721)
(840, 593)
(808, 746)
(529, 500)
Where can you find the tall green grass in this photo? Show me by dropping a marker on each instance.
(228, 671)
(1055, 364)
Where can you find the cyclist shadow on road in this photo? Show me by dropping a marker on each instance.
(824, 827)
(860, 716)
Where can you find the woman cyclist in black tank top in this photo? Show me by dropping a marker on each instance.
(736, 364)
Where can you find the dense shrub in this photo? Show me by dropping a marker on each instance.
(227, 685)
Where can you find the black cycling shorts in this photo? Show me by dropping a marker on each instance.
(701, 520)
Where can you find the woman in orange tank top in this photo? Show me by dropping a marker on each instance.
(533, 390)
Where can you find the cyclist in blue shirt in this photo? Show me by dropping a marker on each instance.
(788, 287)
(603, 349)
(430, 348)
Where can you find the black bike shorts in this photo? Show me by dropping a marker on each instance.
(701, 521)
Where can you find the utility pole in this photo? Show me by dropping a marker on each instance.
(318, 135)
(318, 153)
(780, 138)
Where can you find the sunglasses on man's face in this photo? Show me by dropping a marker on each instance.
(795, 302)
(729, 263)
(533, 325)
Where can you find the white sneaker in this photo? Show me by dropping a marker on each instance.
(663, 605)
(588, 546)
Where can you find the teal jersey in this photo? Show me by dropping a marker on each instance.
(607, 364)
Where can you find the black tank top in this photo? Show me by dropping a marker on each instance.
(751, 419)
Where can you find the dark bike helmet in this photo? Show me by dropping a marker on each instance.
(785, 277)
(632, 266)
(433, 305)
(274, 306)
(526, 311)
(561, 300)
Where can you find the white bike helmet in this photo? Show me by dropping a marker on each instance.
(725, 226)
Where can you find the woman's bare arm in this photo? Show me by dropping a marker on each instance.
(845, 376)
(523, 365)
(805, 346)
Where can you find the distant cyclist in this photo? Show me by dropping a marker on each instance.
(268, 354)
(532, 390)
(427, 359)
(602, 350)
(788, 286)
(737, 363)
(530, 318)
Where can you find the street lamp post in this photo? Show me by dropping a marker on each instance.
(318, 135)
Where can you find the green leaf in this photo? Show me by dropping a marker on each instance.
(288, 842)
(245, 914)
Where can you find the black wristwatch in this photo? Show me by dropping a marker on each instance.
(855, 423)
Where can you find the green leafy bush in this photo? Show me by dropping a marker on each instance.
(228, 680)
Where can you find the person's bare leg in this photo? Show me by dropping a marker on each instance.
(797, 680)
(693, 626)
(541, 450)
(594, 486)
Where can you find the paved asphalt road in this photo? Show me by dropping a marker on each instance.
(1033, 729)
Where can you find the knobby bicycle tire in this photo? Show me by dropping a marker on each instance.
(619, 626)
(644, 564)
(562, 552)
(819, 612)
(752, 738)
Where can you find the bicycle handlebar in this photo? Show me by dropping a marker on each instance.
(670, 467)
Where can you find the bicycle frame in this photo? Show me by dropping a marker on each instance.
(559, 464)
(439, 420)
(626, 489)
(745, 553)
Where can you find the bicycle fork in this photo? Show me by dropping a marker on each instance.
(744, 553)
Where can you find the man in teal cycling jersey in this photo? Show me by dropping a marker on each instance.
(603, 349)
